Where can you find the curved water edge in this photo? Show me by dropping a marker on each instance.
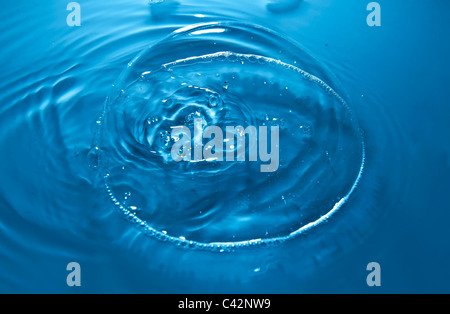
(144, 88)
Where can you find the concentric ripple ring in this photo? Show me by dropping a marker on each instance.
(227, 74)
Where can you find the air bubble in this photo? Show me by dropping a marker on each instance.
(93, 157)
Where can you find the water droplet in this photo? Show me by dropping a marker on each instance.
(152, 120)
(165, 137)
(214, 100)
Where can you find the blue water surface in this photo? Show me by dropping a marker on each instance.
(85, 120)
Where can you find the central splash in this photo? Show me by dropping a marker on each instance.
(214, 150)
(206, 78)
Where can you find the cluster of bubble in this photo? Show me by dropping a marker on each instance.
(227, 56)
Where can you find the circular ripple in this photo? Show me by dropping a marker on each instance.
(227, 74)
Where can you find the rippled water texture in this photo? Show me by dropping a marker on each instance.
(86, 122)
(226, 204)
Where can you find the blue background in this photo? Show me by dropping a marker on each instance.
(54, 80)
